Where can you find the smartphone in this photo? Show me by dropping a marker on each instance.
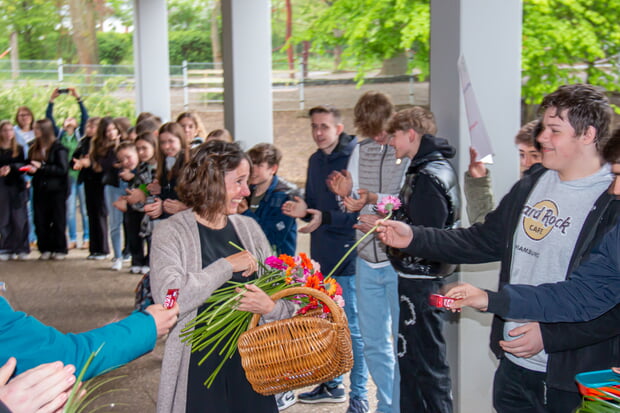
(64, 90)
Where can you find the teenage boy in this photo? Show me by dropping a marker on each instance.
(477, 181)
(70, 135)
(371, 174)
(332, 235)
(430, 196)
(268, 192)
(591, 290)
(541, 231)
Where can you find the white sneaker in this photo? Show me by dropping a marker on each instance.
(45, 255)
(5, 257)
(145, 269)
(117, 264)
(135, 269)
(58, 256)
(285, 400)
(22, 256)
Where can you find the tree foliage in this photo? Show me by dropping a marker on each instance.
(569, 41)
(564, 41)
(371, 31)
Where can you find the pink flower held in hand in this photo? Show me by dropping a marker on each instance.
(388, 204)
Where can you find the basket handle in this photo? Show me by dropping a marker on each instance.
(320, 295)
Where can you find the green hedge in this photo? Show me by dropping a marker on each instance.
(115, 48)
(193, 46)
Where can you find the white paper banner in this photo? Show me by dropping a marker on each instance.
(477, 132)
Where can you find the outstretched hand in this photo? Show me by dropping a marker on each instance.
(466, 295)
(165, 318)
(394, 233)
(297, 208)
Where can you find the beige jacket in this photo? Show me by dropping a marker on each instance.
(176, 262)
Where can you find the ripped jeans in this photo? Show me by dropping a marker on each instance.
(425, 384)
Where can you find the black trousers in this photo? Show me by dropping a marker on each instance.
(135, 243)
(13, 219)
(517, 389)
(97, 217)
(561, 401)
(50, 220)
(425, 384)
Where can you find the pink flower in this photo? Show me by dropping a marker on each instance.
(339, 300)
(388, 204)
(275, 262)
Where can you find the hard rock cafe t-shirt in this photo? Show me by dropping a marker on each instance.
(549, 226)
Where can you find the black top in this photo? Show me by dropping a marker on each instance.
(230, 392)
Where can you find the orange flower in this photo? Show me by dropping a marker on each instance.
(305, 261)
(287, 259)
(331, 286)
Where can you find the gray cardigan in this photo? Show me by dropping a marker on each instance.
(176, 262)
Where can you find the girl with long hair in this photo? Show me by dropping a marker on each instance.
(49, 167)
(13, 210)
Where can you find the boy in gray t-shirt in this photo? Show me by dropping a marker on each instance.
(576, 122)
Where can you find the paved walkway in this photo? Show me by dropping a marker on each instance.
(76, 295)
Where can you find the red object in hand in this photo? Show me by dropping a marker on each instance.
(441, 301)
(25, 168)
(171, 298)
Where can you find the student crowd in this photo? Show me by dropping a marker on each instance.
(182, 197)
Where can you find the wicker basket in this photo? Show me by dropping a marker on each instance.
(299, 351)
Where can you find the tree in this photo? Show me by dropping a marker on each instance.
(372, 31)
(564, 41)
(569, 41)
(83, 19)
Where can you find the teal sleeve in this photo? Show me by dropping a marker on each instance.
(33, 343)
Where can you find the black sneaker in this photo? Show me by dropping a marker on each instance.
(285, 400)
(358, 406)
(324, 394)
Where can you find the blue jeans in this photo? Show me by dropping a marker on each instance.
(377, 298)
(115, 217)
(359, 372)
(77, 193)
(32, 236)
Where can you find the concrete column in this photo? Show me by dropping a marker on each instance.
(246, 55)
(488, 34)
(151, 61)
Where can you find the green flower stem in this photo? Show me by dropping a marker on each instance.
(366, 235)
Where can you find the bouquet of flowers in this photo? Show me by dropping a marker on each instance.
(219, 326)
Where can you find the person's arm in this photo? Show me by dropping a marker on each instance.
(33, 343)
(591, 290)
(479, 197)
(483, 242)
(49, 111)
(83, 111)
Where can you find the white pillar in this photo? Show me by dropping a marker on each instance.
(488, 34)
(246, 55)
(151, 61)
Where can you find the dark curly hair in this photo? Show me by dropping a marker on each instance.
(201, 185)
(586, 105)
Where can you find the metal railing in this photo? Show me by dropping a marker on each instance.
(196, 85)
